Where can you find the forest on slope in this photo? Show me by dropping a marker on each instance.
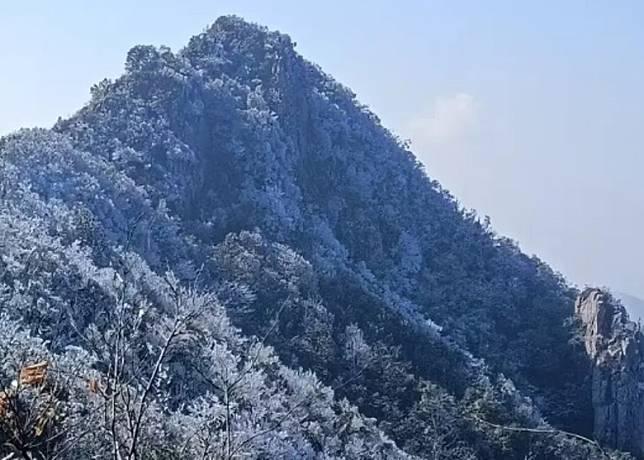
(225, 255)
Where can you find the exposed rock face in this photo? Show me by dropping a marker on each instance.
(615, 348)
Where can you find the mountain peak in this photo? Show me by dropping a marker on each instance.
(238, 26)
(232, 40)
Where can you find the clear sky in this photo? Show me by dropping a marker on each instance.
(530, 112)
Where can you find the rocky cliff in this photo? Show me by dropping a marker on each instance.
(614, 345)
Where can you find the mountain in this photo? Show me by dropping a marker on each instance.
(225, 255)
(634, 305)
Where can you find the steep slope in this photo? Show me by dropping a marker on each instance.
(262, 184)
(138, 364)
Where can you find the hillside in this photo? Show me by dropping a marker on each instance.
(225, 255)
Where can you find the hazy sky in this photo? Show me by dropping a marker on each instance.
(532, 114)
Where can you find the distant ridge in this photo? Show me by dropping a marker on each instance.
(634, 305)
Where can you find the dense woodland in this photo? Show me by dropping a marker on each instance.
(224, 255)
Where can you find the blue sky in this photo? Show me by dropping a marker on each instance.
(531, 112)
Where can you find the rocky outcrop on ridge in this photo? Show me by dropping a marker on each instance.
(614, 345)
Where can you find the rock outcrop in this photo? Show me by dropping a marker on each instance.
(615, 348)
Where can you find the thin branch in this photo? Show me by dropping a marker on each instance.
(543, 431)
(148, 388)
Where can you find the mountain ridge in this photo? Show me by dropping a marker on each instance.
(633, 304)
